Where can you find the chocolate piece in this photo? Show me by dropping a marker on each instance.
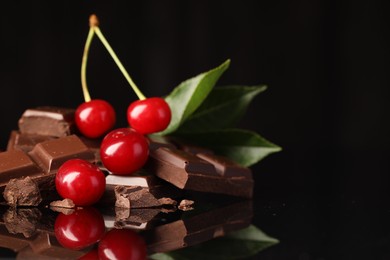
(22, 192)
(152, 188)
(25, 142)
(134, 197)
(226, 167)
(186, 205)
(16, 164)
(65, 203)
(186, 171)
(94, 146)
(51, 121)
(50, 155)
(199, 227)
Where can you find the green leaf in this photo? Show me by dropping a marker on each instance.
(190, 94)
(240, 244)
(222, 108)
(242, 146)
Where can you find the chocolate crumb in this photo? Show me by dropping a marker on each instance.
(22, 192)
(65, 203)
(186, 205)
(167, 201)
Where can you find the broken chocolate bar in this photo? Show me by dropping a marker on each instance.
(51, 121)
(25, 142)
(187, 171)
(140, 190)
(16, 164)
(42, 164)
(50, 155)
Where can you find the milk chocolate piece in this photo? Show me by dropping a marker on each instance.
(187, 171)
(226, 167)
(65, 203)
(51, 121)
(16, 164)
(22, 192)
(25, 142)
(50, 155)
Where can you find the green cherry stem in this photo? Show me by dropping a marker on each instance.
(84, 61)
(103, 39)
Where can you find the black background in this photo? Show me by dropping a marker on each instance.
(326, 195)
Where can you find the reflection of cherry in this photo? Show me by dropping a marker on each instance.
(95, 118)
(150, 115)
(79, 229)
(122, 244)
(81, 181)
(124, 151)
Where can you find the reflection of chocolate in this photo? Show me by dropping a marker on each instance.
(22, 192)
(199, 228)
(51, 121)
(187, 171)
(142, 218)
(22, 220)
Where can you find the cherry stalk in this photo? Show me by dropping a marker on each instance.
(95, 117)
(146, 115)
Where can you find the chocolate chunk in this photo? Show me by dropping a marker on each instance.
(16, 164)
(65, 203)
(225, 166)
(50, 155)
(25, 142)
(131, 218)
(134, 197)
(187, 171)
(51, 121)
(22, 192)
(186, 205)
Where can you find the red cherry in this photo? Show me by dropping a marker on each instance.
(81, 181)
(80, 229)
(124, 151)
(149, 115)
(122, 244)
(95, 118)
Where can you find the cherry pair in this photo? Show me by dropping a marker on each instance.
(123, 151)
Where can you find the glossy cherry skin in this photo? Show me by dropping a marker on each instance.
(95, 118)
(82, 228)
(124, 151)
(81, 181)
(149, 115)
(122, 244)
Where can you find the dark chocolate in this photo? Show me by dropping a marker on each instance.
(187, 171)
(50, 155)
(51, 121)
